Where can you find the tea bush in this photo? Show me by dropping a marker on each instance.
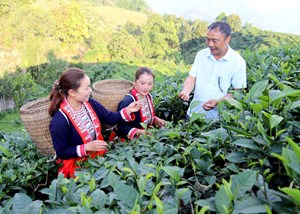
(247, 161)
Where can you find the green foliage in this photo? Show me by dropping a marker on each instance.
(244, 162)
(20, 86)
(135, 5)
(199, 28)
(10, 121)
(124, 46)
(6, 89)
(22, 168)
(235, 22)
(46, 74)
(4, 7)
(166, 92)
(221, 17)
(70, 23)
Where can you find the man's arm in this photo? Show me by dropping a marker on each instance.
(188, 87)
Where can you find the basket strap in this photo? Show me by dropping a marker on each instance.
(64, 116)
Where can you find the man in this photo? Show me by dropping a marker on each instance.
(215, 69)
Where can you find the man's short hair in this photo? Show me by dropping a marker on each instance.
(223, 27)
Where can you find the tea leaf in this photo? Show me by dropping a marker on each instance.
(19, 201)
(249, 205)
(5, 151)
(222, 201)
(296, 147)
(295, 104)
(277, 95)
(235, 103)
(243, 182)
(257, 89)
(257, 107)
(293, 193)
(159, 205)
(275, 120)
(172, 172)
(98, 199)
(246, 143)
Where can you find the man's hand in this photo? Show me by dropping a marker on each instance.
(184, 95)
(210, 104)
(188, 87)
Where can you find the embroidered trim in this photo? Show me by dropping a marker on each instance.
(132, 133)
(150, 104)
(126, 116)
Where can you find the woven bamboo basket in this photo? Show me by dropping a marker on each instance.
(110, 92)
(36, 121)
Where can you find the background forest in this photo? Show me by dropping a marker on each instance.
(38, 39)
(247, 161)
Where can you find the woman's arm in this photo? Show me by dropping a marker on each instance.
(60, 129)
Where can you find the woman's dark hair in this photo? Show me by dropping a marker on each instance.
(69, 79)
(223, 27)
(143, 70)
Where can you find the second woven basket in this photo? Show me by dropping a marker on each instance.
(110, 92)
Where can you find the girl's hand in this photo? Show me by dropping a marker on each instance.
(159, 122)
(141, 132)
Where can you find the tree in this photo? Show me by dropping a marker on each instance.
(160, 38)
(70, 23)
(182, 27)
(199, 28)
(4, 7)
(124, 46)
(235, 22)
(133, 29)
(222, 17)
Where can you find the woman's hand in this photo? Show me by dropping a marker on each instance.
(96, 145)
(133, 107)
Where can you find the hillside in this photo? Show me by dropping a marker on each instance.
(90, 31)
(118, 16)
(27, 42)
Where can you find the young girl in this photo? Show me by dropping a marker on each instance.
(143, 84)
(76, 120)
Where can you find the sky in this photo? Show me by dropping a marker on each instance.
(275, 15)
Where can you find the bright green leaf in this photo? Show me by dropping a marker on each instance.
(293, 193)
(256, 107)
(235, 103)
(296, 147)
(159, 205)
(172, 171)
(257, 89)
(275, 120)
(5, 151)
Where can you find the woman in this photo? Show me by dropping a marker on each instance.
(143, 84)
(76, 120)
